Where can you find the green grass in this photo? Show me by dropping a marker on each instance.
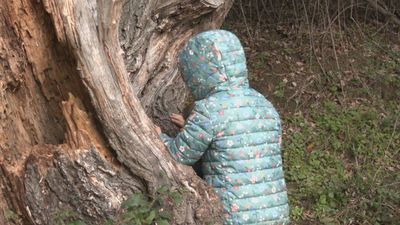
(341, 165)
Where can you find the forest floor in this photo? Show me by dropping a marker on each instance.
(341, 118)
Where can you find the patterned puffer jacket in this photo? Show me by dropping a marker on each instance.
(234, 130)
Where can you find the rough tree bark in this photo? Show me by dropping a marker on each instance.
(78, 82)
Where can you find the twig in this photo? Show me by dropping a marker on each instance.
(392, 136)
(387, 147)
(344, 10)
(380, 28)
(245, 21)
(258, 16)
(295, 12)
(334, 51)
(380, 7)
(374, 42)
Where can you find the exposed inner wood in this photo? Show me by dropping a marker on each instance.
(81, 130)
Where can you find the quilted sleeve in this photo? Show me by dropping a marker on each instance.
(280, 132)
(190, 144)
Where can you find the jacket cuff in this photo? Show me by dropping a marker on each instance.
(165, 138)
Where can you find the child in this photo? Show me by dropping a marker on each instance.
(233, 129)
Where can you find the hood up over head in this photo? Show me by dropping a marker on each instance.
(213, 61)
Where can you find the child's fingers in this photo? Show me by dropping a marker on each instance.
(177, 119)
(179, 123)
(176, 116)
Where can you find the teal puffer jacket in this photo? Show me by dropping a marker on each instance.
(234, 130)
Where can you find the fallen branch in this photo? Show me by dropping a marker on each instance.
(380, 6)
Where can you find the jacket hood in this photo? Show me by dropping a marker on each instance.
(213, 61)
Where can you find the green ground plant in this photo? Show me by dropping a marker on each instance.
(11, 217)
(342, 165)
(341, 155)
(138, 209)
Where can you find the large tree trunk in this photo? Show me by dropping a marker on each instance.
(79, 80)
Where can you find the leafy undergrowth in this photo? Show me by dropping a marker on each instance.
(341, 118)
(342, 165)
(138, 209)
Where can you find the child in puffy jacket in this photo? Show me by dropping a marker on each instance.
(233, 129)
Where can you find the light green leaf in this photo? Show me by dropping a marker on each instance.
(162, 222)
(176, 197)
(151, 217)
(162, 190)
(135, 200)
(76, 223)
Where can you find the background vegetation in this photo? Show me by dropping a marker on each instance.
(332, 68)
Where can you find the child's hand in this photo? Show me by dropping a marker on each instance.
(158, 130)
(177, 119)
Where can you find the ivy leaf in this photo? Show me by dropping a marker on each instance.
(176, 197)
(129, 215)
(165, 214)
(135, 200)
(151, 217)
(109, 222)
(78, 222)
(162, 222)
(162, 190)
